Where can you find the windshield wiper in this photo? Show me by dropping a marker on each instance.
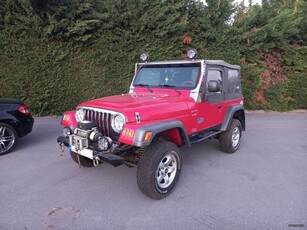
(146, 86)
(173, 87)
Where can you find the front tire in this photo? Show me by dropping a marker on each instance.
(84, 161)
(8, 138)
(230, 139)
(159, 169)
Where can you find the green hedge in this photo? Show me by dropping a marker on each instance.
(56, 54)
(52, 77)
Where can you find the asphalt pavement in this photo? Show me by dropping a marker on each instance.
(261, 186)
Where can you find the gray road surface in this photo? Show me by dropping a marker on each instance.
(262, 186)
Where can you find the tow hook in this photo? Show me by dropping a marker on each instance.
(96, 161)
(62, 147)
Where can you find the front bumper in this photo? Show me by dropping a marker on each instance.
(93, 154)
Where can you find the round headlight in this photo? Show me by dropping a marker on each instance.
(118, 123)
(80, 115)
(144, 56)
(191, 53)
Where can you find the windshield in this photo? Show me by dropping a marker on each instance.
(183, 76)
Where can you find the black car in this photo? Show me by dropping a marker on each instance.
(15, 122)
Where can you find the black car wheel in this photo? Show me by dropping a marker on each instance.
(8, 138)
(230, 140)
(159, 169)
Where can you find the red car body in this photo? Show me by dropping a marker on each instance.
(180, 102)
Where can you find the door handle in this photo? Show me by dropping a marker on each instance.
(219, 107)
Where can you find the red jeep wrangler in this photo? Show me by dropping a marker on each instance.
(170, 104)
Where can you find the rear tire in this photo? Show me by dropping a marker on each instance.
(84, 161)
(230, 139)
(8, 138)
(159, 169)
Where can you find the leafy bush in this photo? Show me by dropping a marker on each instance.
(56, 54)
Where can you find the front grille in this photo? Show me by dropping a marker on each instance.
(102, 120)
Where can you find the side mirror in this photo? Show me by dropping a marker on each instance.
(214, 86)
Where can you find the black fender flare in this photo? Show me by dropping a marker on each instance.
(229, 115)
(157, 128)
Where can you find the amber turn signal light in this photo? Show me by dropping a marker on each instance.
(147, 136)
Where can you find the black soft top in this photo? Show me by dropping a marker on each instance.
(223, 63)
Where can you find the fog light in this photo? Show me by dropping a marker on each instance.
(66, 131)
(104, 143)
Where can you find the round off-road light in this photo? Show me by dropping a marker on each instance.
(104, 143)
(144, 56)
(191, 53)
(66, 131)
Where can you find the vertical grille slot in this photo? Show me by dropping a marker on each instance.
(102, 120)
(103, 126)
(108, 122)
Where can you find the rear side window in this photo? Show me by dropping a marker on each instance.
(233, 82)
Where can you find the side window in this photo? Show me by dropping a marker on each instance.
(214, 75)
(233, 82)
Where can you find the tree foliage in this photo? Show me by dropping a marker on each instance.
(57, 53)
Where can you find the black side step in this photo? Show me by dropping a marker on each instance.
(199, 138)
(110, 158)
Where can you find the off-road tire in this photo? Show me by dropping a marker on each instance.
(9, 130)
(228, 142)
(148, 172)
(84, 161)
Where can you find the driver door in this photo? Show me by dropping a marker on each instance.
(211, 107)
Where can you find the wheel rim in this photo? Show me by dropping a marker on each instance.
(7, 139)
(166, 171)
(235, 137)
